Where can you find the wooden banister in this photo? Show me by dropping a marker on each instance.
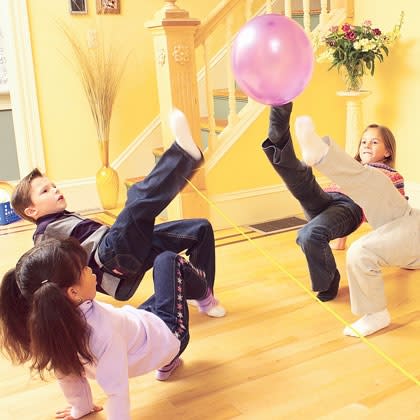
(214, 19)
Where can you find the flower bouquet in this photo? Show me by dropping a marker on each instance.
(355, 49)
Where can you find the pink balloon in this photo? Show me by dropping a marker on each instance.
(272, 59)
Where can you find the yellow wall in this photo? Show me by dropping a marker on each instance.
(393, 102)
(68, 132)
(246, 163)
(396, 85)
(70, 138)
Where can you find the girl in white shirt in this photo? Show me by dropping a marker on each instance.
(48, 317)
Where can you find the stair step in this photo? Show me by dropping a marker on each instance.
(220, 124)
(130, 181)
(158, 152)
(221, 102)
(224, 93)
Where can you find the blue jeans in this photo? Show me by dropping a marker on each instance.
(171, 291)
(133, 242)
(329, 215)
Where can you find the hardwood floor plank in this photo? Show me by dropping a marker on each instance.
(278, 354)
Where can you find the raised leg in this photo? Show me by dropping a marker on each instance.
(369, 188)
(297, 176)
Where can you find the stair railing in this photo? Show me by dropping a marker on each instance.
(232, 15)
(212, 41)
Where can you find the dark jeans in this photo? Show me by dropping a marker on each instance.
(330, 215)
(133, 242)
(170, 273)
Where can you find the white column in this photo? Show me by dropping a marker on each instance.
(354, 117)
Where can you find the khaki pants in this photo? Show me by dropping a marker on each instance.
(395, 240)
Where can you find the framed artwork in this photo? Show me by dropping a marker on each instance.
(78, 7)
(108, 6)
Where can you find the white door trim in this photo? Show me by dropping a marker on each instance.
(21, 80)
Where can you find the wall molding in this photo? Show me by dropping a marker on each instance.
(242, 207)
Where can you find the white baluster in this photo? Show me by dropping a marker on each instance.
(324, 12)
(209, 97)
(248, 15)
(268, 7)
(307, 15)
(288, 8)
(233, 116)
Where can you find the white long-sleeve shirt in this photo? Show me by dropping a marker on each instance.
(125, 342)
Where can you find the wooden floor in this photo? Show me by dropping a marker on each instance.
(278, 354)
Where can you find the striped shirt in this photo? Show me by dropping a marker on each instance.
(395, 177)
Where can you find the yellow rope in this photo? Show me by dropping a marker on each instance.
(309, 292)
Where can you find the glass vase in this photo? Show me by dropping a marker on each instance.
(353, 76)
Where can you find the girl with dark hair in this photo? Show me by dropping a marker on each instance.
(49, 318)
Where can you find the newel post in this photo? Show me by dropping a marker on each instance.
(173, 36)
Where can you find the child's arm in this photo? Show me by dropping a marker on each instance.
(78, 394)
(112, 376)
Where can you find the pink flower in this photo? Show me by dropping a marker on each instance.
(376, 31)
(334, 29)
(367, 23)
(351, 36)
(346, 27)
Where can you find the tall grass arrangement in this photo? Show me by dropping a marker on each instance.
(100, 68)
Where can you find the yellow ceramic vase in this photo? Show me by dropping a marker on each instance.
(107, 182)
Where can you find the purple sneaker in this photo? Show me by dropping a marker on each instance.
(165, 372)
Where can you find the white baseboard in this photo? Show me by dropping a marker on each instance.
(252, 206)
(240, 208)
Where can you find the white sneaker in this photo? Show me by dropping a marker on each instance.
(217, 311)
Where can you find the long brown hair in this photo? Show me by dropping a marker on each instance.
(38, 322)
(389, 143)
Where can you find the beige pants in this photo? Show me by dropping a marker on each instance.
(395, 240)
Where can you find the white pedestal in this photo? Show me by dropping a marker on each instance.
(354, 117)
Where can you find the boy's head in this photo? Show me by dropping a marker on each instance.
(36, 196)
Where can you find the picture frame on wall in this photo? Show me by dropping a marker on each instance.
(108, 7)
(78, 7)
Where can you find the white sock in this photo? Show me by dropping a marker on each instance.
(181, 130)
(369, 324)
(312, 146)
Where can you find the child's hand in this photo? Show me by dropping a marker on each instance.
(65, 414)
